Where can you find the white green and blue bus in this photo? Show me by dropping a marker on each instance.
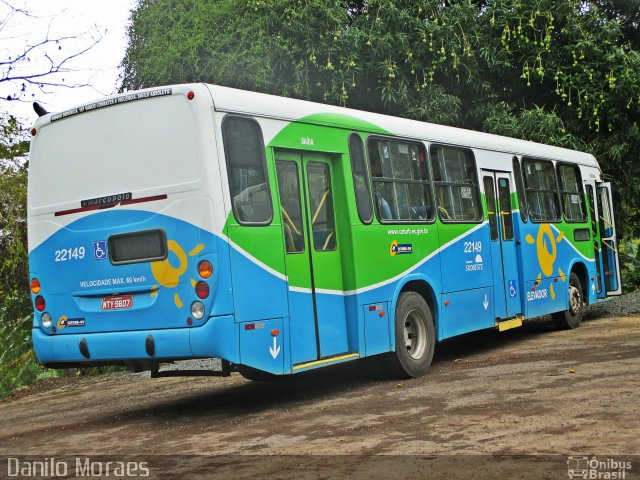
(279, 235)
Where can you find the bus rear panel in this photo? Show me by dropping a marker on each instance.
(123, 261)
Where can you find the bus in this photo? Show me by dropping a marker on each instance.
(280, 235)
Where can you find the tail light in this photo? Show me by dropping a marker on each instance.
(202, 290)
(35, 286)
(40, 303)
(205, 269)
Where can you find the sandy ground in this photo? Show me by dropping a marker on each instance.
(528, 391)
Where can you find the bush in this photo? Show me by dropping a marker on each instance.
(18, 365)
(629, 254)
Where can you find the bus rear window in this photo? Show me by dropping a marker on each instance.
(137, 247)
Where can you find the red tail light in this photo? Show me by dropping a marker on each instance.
(40, 303)
(202, 290)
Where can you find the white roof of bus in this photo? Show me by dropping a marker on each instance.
(263, 105)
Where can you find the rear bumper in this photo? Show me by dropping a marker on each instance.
(216, 338)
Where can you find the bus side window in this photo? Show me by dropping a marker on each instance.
(454, 173)
(522, 202)
(360, 179)
(247, 170)
(571, 193)
(401, 183)
(541, 190)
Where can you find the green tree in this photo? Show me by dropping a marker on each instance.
(14, 275)
(562, 72)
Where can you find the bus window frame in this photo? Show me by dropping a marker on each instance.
(428, 182)
(526, 158)
(521, 192)
(265, 168)
(477, 185)
(581, 191)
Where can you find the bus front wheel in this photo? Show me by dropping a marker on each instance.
(571, 317)
(414, 335)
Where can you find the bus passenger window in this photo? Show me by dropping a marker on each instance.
(246, 170)
(541, 190)
(571, 193)
(360, 179)
(454, 173)
(401, 183)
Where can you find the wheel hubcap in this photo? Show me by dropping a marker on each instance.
(415, 334)
(575, 300)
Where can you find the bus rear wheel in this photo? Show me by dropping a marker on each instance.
(414, 335)
(572, 317)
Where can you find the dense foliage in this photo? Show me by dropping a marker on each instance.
(563, 72)
(14, 298)
(629, 250)
(17, 363)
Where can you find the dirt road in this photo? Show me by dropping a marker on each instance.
(528, 391)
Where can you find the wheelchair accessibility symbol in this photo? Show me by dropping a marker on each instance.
(513, 292)
(100, 250)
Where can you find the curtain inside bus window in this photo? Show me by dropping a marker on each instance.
(246, 170)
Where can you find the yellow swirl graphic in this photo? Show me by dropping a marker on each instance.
(546, 257)
(166, 274)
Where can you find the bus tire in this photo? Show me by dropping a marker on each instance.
(415, 336)
(255, 375)
(572, 317)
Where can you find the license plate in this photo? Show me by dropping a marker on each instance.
(117, 302)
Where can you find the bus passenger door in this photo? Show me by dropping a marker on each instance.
(318, 327)
(608, 240)
(503, 251)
